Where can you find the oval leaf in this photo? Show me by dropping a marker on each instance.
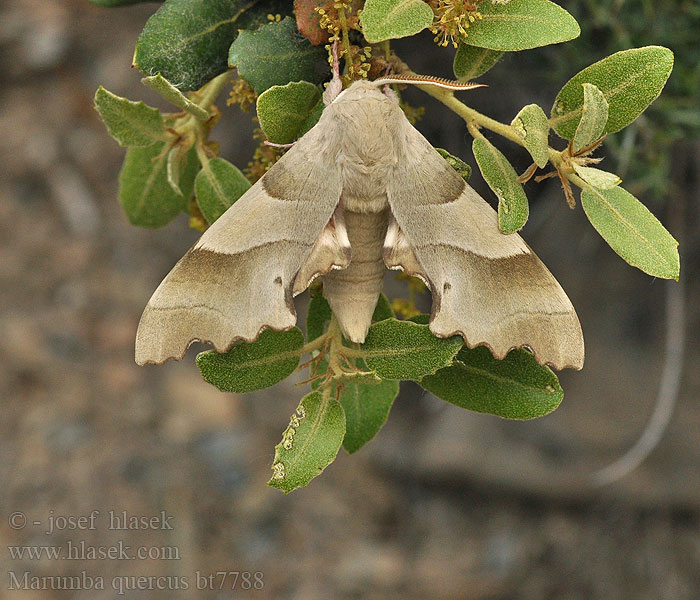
(276, 54)
(516, 387)
(390, 19)
(594, 117)
(217, 186)
(532, 125)
(471, 61)
(188, 40)
(144, 191)
(456, 163)
(630, 80)
(366, 408)
(513, 208)
(283, 110)
(406, 350)
(130, 123)
(521, 24)
(260, 364)
(597, 178)
(310, 442)
(632, 231)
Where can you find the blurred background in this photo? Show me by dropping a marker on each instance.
(444, 503)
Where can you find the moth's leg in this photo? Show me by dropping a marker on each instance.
(283, 146)
(335, 86)
(330, 252)
(388, 92)
(399, 255)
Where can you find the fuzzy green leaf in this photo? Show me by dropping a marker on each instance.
(276, 54)
(253, 366)
(406, 350)
(130, 123)
(520, 25)
(594, 117)
(456, 163)
(167, 90)
(317, 317)
(532, 125)
(283, 110)
(597, 178)
(310, 442)
(217, 186)
(516, 387)
(422, 319)
(471, 62)
(383, 309)
(632, 231)
(144, 191)
(366, 409)
(630, 80)
(188, 40)
(501, 177)
(390, 19)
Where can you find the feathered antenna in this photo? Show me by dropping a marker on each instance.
(428, 80)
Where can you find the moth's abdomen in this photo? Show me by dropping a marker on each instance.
(353, 292)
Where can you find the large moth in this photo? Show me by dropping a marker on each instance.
(361, 192)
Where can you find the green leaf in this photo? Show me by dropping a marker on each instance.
(456, 163)
(383, 309)
(516, 387)
(276, 54)
(630, 80)
(632, 231)
(144, 191)
(188, 40)
(390, 19)
(471, 62)
(532, 125)
(520, 25)
(130, 123)
(406, 350)
(422, 319)
(167, 90)
(366, 410)
(317, 317)
(254, 366)
(217, 186)
(597, 178)
(594, 117)
(513, 208)
(283, 110)
(310, 442)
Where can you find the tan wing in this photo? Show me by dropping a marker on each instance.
(239, 278)
(488, 287)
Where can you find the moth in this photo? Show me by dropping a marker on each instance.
(363, 191)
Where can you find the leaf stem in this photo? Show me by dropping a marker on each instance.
(346, 39)
(210, 92)
(314, 344)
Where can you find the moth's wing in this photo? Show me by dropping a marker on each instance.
(239, 278)
(488, 287)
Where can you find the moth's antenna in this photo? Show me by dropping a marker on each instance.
(335, 85)
(428, 80)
